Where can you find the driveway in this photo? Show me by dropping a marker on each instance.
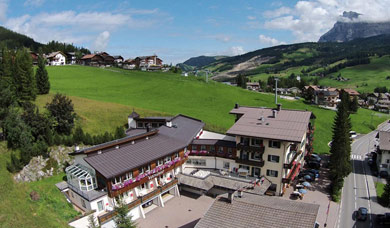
(184, 212)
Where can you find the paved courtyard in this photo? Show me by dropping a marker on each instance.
(184, 212)
(319, 194)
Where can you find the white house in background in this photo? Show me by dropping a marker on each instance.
(71, 57)
(56, 58)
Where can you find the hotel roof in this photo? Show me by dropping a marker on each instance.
(115, 161)
(288, 125)
(259, 211)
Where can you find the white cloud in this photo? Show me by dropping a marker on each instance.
(269, 41)
(101, 41)
(34, 3)
(251, 18)
(236, 50)
(308, 20)
(3, 10)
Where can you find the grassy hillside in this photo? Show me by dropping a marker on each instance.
(17, 210)
(173, 94)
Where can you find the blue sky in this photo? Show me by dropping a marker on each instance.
(177, 30)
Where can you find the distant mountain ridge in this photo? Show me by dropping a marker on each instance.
(350, 28)
(202, 61)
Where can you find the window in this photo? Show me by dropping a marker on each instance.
(200, 162)
(212, 148)
(274, 144)
(117, 180)
(128, 176)
(257, 142)
(100, 205)
(220, 150)
(141, 170)
(202, 147)
(188, 161)
(256, 172)
(230, 151)
(273, 158)
(160, 162)
(140, 125)
(167, 159)
(388, 161)
(255, 156)
(176, 155)
(226, 165)
(272, 173)
(83, 203)
(154, 125)
(244, 155)
(245, 141)
(243, 167)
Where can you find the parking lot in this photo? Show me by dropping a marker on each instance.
(184, 212)
(318, 193)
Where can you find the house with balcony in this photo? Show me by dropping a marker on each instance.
(383, 152)
(148, 62)
(140, 169)
(56, 58)
(272, 143)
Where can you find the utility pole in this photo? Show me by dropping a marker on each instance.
(276, 90)
(207, 76)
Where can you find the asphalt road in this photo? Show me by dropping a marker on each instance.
(359, 188)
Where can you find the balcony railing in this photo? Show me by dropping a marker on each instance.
(290, 165)
(259, 163)
(140, 200)
(246, 147)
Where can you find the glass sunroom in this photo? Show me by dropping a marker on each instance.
(81, 177)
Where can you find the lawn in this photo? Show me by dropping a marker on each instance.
(17, 210)
(172, 94)
(373, 74)
(380, 188)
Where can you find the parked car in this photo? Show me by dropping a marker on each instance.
(314, 171)
(352, 134)
(314, 157)
(370, 161)
(383, 219)
(362, 214)
(307, 176)
(314, 164)
(383, 174)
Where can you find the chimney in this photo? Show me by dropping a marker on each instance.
(236, 106)
(77, 148)
(230, 197)
(279, 107)
(169, 123)
(147, 127)
(239, 194)
(274, 113)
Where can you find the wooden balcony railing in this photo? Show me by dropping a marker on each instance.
(140, 200)
(245, 147)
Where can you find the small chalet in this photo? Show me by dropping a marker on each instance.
(71, 57)
(129, 64)
(253, 86)
(148, 62)
(34, 57)
(118, 60)
(92, 60)
(108, 59)
(56, 58)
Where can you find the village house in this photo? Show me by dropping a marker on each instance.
(255, 86)
(247, 210)
(92, 60)
(148, 62)
(56, 59)
(34, 57)
(118, 60)
(351, 92)
(108, 59)
(129, 64)
(71, 58)
(327, 96)
(383, 153)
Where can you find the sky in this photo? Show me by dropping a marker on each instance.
(180, 29)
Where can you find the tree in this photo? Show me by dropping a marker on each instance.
(6, 67)
(315, 82)
(62, 111)
(40, 124)
(92, 222)
(17, 133)
(14, 166)
(122, 219)
(78, 136)
(354, 105)
(385, 198)
(241, 81)
(7, 100)
(23, 75)
(119, 133)
(340, 165)
(41, 76)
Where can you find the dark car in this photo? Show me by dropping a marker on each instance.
(307, 176)
(383, 219)
(362, 214)
(314, 164)
(313, 157)
(314, 171)
(383, 174)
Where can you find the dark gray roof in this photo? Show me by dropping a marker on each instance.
(112, 162)
(289, 125)
(134, 115)
(135, 131)
(215, 142)
(259, 211)
(384, 140)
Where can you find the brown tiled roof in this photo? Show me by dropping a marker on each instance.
(112, 162)
(289, 125)
(89, 56)
(351, 92)
(259, 211)
(384, 140)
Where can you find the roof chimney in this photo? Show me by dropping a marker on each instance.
(230, 197)
(147, 127)
(169, 123)
(274, 113)
(236, 105)
(279, 107)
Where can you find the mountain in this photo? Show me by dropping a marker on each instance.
(350, 28)
(16, 40)
(202, 61)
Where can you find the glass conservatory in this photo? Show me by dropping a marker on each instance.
(81, 177)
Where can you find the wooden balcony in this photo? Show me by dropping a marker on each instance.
(290, 165)
(259, 163)
(250, 148)
(140, 200)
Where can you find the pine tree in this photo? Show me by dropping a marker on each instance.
(78, 136)
(119, 133)
(62, 111)
(92, 222)
(41, 76)
(122, 219)
(23, 77)
(6, 67)
(385, 198)
(340, 165)
(354, 105)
